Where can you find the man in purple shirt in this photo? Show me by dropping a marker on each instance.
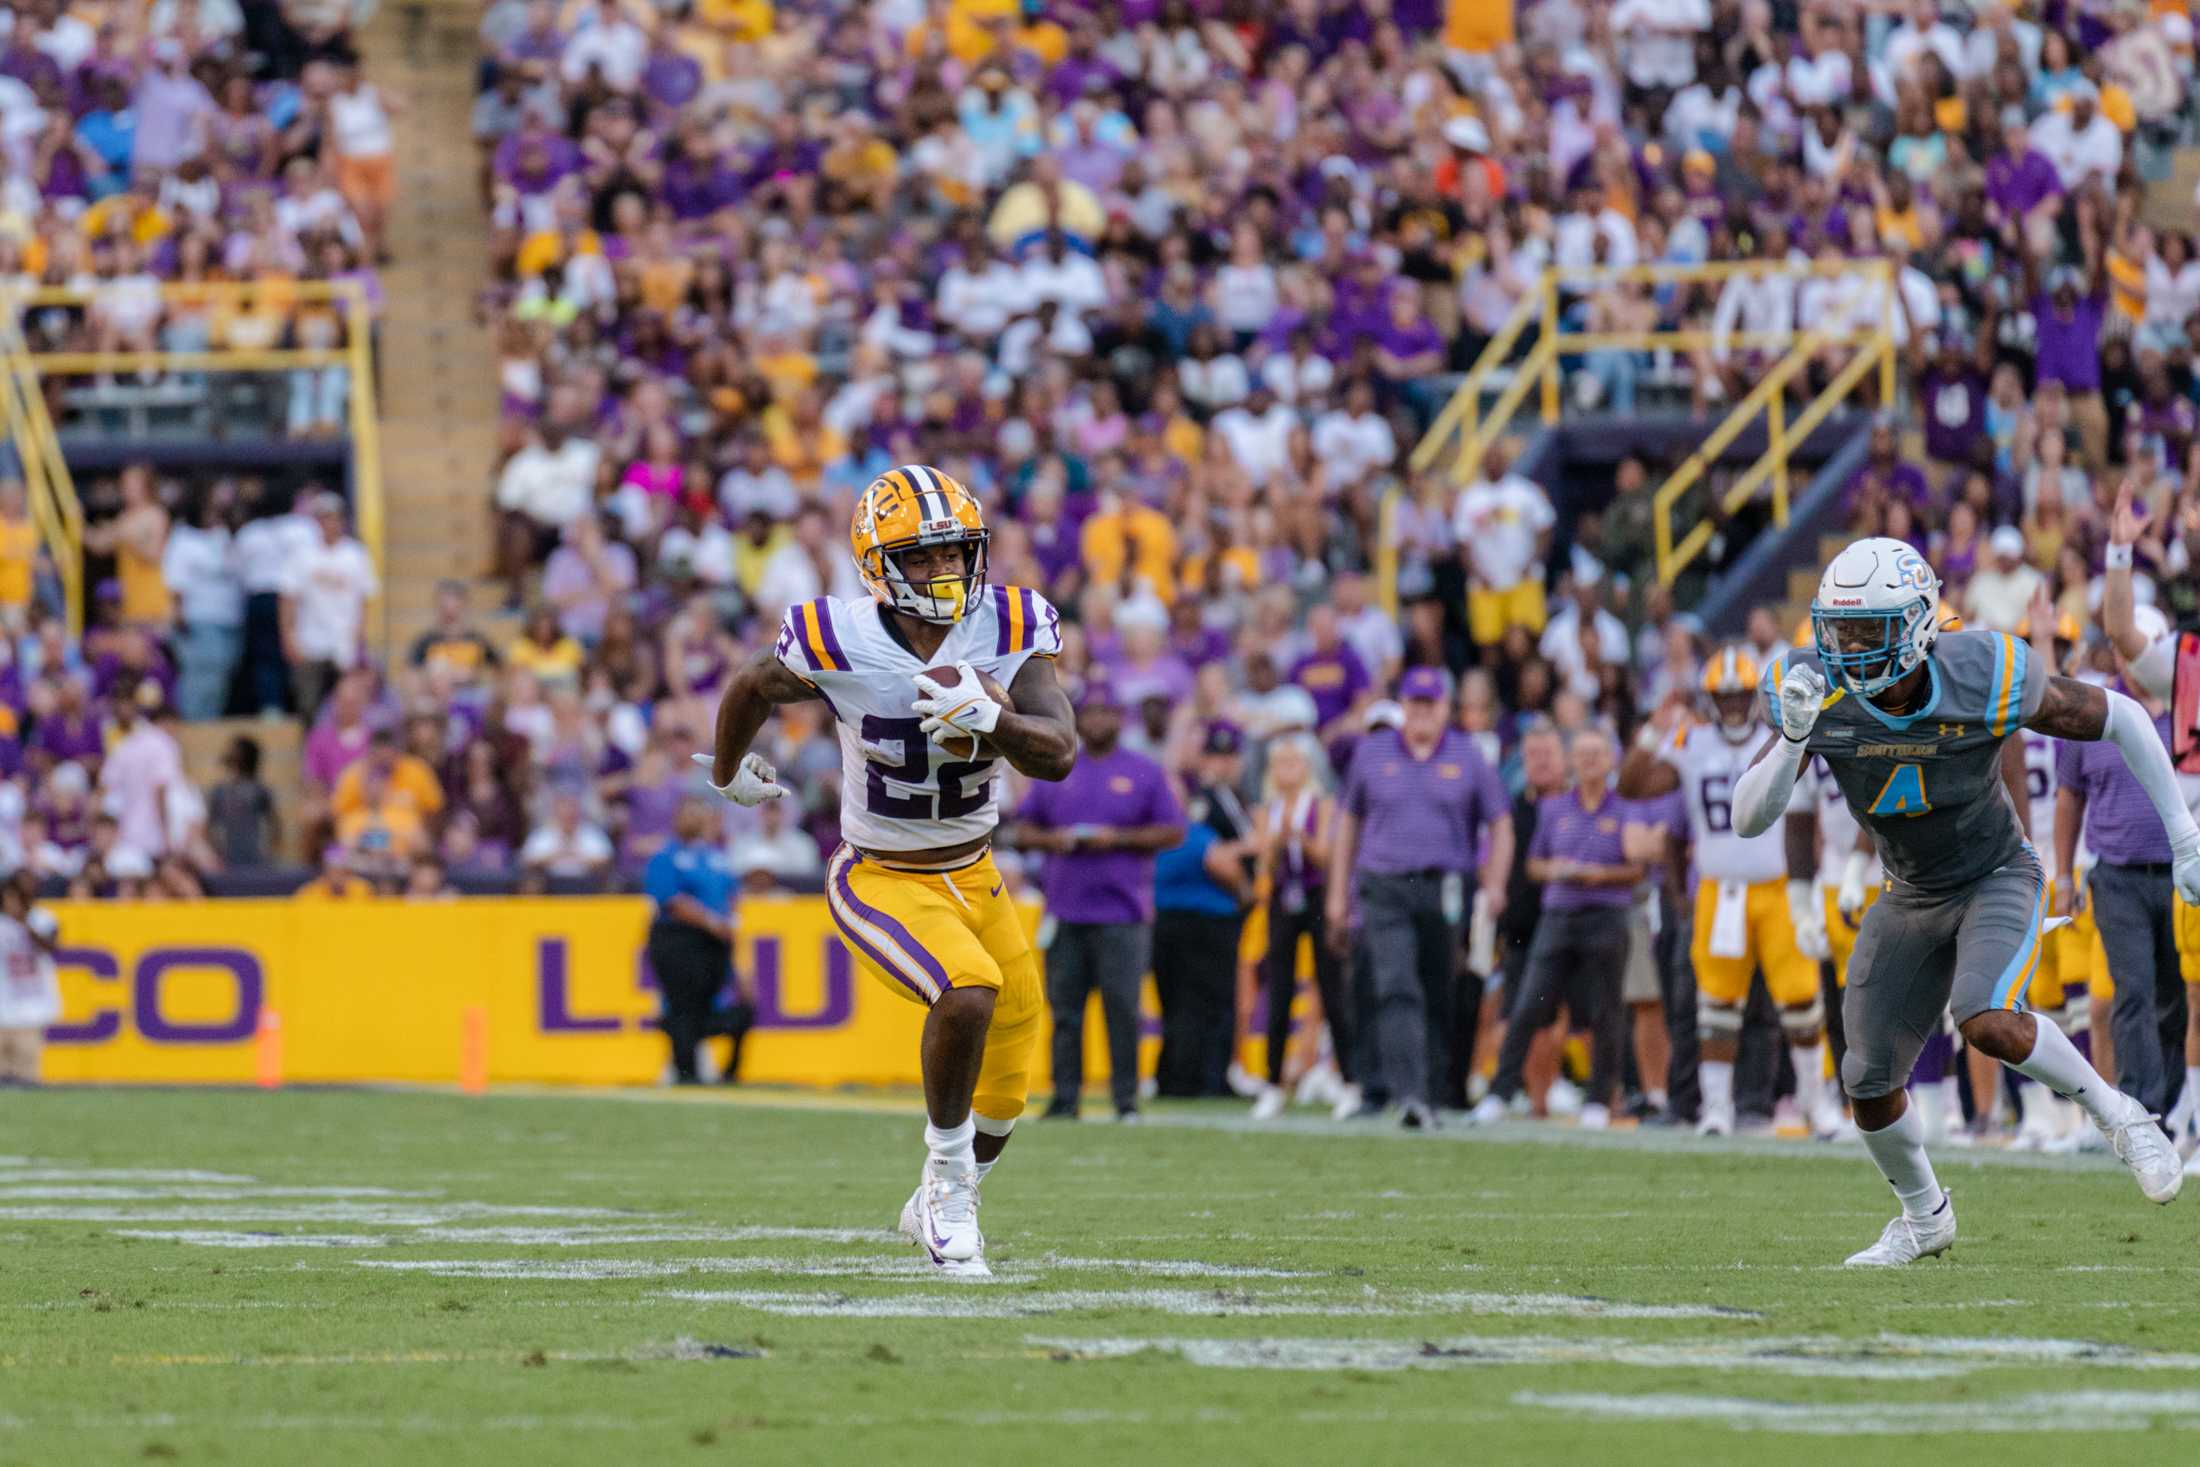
(1580, 948)
(2067, 318)
(1331, 672)
(1414, 810)
(2019, 180)
(1099, 830)
(2132, 905)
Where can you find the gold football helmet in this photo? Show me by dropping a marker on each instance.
(915, 507)
(1730, 681)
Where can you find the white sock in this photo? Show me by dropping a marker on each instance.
(2056, 1063)
(2192, 1085)
(1717, 1079)
(1810, 1076)
(1899, 1153)
(952, 1145)
(986, 1166)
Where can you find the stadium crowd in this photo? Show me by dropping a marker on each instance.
(1174, 285)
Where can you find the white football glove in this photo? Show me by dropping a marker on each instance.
(1809, 916)
(1802, 696)
(1848, 899)
(2184, 867)
(965, 708)
(754, 780)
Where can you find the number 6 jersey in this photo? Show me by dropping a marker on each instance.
(898, 790)
(1928, 785)
(1709, 764)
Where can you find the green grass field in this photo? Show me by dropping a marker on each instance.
(362, 1277)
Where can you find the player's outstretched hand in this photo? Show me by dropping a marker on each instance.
(2184, 870)
(1848, 898)
(1802, 695)
(753, 782)
(964, 708)
(1808, 914)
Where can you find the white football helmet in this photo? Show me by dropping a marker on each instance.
(1876, 615)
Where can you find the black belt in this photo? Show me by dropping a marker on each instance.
(2149, 868)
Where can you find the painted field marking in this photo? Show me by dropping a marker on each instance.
(1889, 1357)
(2061, 1411)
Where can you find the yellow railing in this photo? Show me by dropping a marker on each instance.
(49, 491)
(1464, 427)
(1461, 418)
(28, 421)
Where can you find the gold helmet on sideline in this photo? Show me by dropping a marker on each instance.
(1730, 681)
(907, 508)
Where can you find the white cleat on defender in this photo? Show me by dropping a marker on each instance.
(2140, 1144)
(941, 1217)
(1907, 1239)
(1717, 1120)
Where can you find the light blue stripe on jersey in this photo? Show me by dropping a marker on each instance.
(2003, 707)
(2021, 965)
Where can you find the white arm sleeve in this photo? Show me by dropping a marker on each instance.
(2155, 670)
(1761, 794)
(2132, 732)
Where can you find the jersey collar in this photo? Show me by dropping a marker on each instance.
(1900, 723)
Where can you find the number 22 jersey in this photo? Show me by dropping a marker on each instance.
(898, 790)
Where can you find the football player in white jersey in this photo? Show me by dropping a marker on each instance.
(1747, 910)
(914, 889)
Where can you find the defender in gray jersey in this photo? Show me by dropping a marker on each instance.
(1916, 728)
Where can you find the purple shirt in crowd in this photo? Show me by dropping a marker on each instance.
(2070, 346)
(1119, 788)
(2120, 823)
(1332, 679)
(2018, 185)
(1421, 814)
(1567, 830)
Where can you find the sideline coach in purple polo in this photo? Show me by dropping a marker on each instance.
(2132, 906)
(1099, 829)
(1415, 808)
(1579, 953)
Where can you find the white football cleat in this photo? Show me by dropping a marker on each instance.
(1564, 1098)
(1594, 1117)
(1488, 1111)
(2140, 1144)
(1270, 1104)
(1907, 1239)
(1348, 1103)
(941, 1217)
(1717, 1120)
(1243, 1082)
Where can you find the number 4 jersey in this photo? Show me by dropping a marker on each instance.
(898, 790)
(1928, 785)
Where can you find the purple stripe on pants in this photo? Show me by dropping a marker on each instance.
(892, 928)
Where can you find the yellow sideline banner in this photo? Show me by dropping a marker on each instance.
(379, 990)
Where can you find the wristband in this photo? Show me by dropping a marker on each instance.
(2119, 557)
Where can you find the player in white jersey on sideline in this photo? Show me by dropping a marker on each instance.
(1747, 910)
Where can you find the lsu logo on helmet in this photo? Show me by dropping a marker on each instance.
(915, 507)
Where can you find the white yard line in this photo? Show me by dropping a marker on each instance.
(1889, 1357)
(2064, 1411)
